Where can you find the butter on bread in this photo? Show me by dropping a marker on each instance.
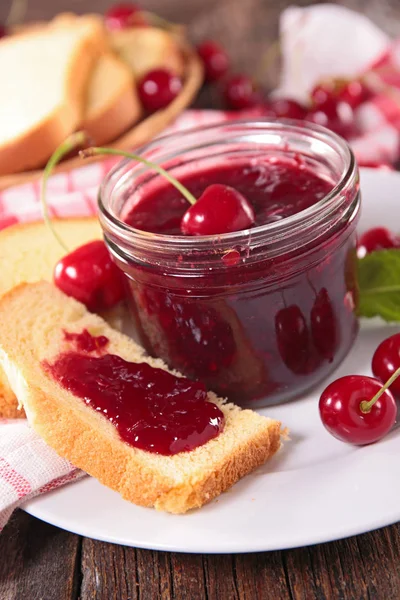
(146, 48)
(45, 74)
(86, 438)
(28, 253)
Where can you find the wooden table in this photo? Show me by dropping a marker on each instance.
(38, 561)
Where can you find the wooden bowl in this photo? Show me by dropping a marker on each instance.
(141, 132)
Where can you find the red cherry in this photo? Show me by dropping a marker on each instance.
(240, 92)
(386, 361)
(121, 16)
(284, 108)
(220, 209)
(342, 415)
(293, 339)
(323, 325)
(354, 93)
(323, 95)
(3, 31)
(337, 116)
(377, 238)
(89, 275)
(158, 88)
(215, 60)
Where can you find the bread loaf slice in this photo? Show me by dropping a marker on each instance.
(85, 437)
(147, 48)
(29, 252)
(44, 76)
(112, 103)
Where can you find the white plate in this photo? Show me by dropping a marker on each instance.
(316, 489)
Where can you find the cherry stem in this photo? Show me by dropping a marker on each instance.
(73, 141)
(181, 188)
(366, 406)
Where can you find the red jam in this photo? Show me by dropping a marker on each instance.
(276, 190)
(259, 317)
(151, 409)
(85, 342)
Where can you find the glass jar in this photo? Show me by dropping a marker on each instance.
(260, 315)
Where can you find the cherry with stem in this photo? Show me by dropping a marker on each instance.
(358, 409)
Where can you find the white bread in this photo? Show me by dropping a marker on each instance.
(112, 103)
(44, 83)
(85, 437)
(147, 48)
(29, 252)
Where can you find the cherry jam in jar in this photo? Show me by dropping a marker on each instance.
(262, 315)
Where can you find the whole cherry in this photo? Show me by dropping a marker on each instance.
(121, 16)
(293, 338)
(215, 60)
(357, 409)
(386, 361)
(335, 115)
(158, 88)
(354, 93)
(220, 209)
(376, 238)
(284, 108)
(323, 94)
(89, 275)
(240, 92)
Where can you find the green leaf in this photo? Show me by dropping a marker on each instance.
(379, 285)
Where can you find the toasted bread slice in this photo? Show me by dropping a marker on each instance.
(112, 104)
(147, 48)
(45, 74)
(29, 252)
(88, 439)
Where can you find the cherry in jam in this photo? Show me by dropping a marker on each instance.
(150, 408)
(274, 189)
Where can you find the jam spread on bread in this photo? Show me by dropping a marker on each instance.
(151, 409)
(86, 342)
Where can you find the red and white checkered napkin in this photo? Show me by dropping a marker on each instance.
(27, 466)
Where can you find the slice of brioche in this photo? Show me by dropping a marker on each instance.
(33, 318)
(29, 252)
(112, 103)
(44, 76)
(147, 48)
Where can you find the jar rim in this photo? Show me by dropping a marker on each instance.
(273, 229)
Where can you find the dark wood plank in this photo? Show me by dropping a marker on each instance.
(262, 575)
(38, 561)
(111, 572)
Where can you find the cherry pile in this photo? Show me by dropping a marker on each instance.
(359, 409)
(332, 104)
